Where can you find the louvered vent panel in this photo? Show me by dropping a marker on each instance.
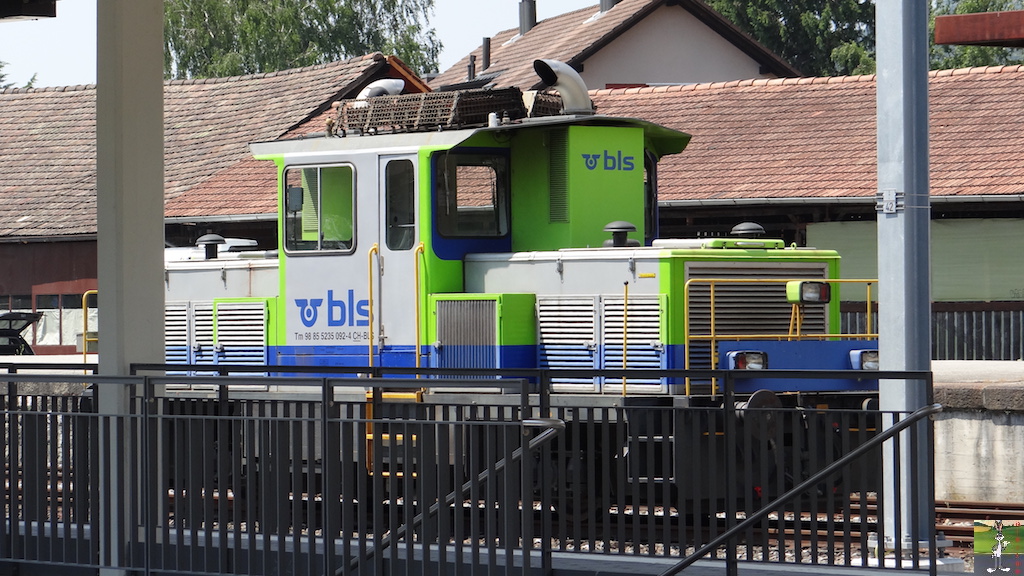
(748, 308)
(176, 340)
(468, 334)
(643, 340)
(559, 177)
(203, 351)
(242, 334)
(567, 338)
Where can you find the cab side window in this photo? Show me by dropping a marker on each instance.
(400, 192)
(472, 195)
(319, 208)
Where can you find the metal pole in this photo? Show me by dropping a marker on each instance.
(904, 302)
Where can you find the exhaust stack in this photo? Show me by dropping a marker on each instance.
(568, 83)
(527, 16)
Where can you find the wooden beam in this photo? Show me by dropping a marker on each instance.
(982, 29)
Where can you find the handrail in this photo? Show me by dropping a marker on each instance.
(552, 428)
(417, 255)
(799, 489)
(375, 249)
(713, 337)
(85, 326)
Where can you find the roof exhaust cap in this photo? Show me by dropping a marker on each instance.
(568, 83)
(211, 243)
(619, 230)
(748, 230)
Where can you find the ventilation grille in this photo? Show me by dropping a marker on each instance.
(558, 209)
(467, 331)
(241, 337)
(573, 335)
(567, 339)
(642, 336)
(242, 333)
(758, 308)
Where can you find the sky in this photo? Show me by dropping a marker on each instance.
(62, 51)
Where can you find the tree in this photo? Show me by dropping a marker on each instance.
(818, 37)
(3, 76)
(208, 38)
(946, 57)
(5, 85)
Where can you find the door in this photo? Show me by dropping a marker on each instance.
(394, 293)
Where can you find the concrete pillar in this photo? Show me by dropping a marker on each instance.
(130, 182)
(129, 206)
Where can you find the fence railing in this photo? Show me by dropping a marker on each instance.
(320, 477)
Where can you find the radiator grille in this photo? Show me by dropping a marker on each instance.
(467, 330)
(748, 308)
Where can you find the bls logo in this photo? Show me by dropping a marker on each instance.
(340, 312)
(616, 162)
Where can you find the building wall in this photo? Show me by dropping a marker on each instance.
(972, 259)
(669, 47)
(49, 277)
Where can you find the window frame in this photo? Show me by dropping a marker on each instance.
(293, 220)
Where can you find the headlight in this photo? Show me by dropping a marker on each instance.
(864, 359)
(747, 360)
(804, 292)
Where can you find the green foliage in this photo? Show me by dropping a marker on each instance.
(837, 37)
(212, 38)
(5, 85)
(946, 57)
(815, 36)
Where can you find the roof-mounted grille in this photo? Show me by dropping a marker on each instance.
(438, 110)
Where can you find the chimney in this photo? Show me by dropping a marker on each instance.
(527, 15)
(607, 5)
(486, 49)
(471, 72)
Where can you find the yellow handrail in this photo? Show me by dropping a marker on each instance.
(625, 331)
(714, 337)
(375, 249)
(85, 326)
(418, 253)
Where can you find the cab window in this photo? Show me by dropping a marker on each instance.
(472, 195)
(399, 190)
(319, 208)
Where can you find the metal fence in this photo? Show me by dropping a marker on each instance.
(320, 478)
(964, 332)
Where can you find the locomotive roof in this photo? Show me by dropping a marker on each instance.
(662, 139)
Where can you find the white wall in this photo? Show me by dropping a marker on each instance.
(669, 47)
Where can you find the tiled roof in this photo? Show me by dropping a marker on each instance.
(574, 36)
(811, 138)
(48, 137)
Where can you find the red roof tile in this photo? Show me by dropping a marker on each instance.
(815, 137)
(49, 150)
(574, 36)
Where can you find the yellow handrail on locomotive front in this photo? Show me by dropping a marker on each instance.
(418, 254)
(714, 337)
(375, 249)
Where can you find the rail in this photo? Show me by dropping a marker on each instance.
(801, 488)
(231, 479)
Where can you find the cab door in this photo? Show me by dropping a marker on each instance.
(393, 266)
